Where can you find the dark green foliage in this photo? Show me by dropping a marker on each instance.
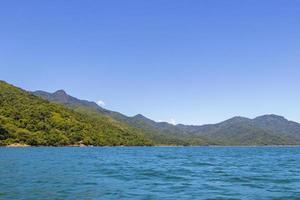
(26, 118)
(3, 134)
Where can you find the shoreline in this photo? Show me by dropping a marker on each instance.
(17, 145)
(14, 145)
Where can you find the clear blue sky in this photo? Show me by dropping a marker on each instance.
(195, 61)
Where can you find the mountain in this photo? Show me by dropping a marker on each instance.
(263, 130)
(28, 119)
(161, 133)
(241, 131)
(60, 96)
(280, 126)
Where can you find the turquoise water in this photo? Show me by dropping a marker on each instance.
(150, 173)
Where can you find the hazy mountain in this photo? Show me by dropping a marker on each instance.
(241, 131)
(60, 96)
(264, 130)
(280, 126)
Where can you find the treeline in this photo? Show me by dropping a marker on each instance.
(28, 119)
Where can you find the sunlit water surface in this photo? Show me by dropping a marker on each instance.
(150, 173)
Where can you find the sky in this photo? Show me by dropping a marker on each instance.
(191, 62)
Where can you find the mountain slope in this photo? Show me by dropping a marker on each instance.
(26, 118)
(60, 96)
(280, 126)
(161, 133)
(241, 131)
(264, 130)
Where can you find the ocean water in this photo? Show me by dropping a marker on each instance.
(150, 173)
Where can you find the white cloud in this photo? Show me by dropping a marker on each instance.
(100, 103)
(172, 121)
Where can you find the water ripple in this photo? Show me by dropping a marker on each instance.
(150, 173)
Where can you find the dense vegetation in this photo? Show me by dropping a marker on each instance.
(160, 133)
(26, 118)
(264, 130)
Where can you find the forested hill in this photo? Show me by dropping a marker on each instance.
(263, 130)
(28, 119)
(160, 133)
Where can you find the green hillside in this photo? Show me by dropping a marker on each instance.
(242, 131)
(264, 130)
(26, 118)
(161, 133)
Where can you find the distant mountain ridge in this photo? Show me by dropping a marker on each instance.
(263, 130)
(60, 96)
(159, 132)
